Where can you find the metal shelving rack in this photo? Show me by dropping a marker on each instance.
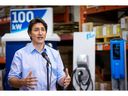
(5, 20)
(85, 11)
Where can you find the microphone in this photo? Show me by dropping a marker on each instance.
(46, 57)
(48, 63)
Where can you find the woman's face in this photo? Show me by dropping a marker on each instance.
(38, 33)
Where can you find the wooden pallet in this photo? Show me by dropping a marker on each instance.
(106, 39)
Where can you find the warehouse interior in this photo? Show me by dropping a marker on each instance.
(70, 19)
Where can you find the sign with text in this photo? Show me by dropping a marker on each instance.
(20, 18)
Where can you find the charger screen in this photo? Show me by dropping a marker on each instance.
(116, 51)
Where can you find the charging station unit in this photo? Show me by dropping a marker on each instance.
(118, 64)
(19, 37)
(84, 61)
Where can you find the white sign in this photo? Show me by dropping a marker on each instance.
(20, 18)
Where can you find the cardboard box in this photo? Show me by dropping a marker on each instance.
(124, 23)
(107, 30)
(116, 29)
(98, 30)
(125, 35)
(87, 27)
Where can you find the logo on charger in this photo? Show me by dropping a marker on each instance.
(90, 35)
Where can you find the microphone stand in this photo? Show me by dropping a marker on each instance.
(48, 87)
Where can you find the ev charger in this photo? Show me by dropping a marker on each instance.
(84, 61)
(82, 75)
(118, 60)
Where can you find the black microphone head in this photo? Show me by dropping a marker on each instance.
(44, 54)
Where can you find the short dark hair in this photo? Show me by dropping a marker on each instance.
(34, 21)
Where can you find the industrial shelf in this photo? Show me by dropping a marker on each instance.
(2, 60)
(65, 37)
(99, 47)
(102, 42)
(84, 12)
(106, 39)
(100, 9)
(105, 46)
(5, 20)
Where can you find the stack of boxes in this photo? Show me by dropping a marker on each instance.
(103, 33)
(124, 23)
